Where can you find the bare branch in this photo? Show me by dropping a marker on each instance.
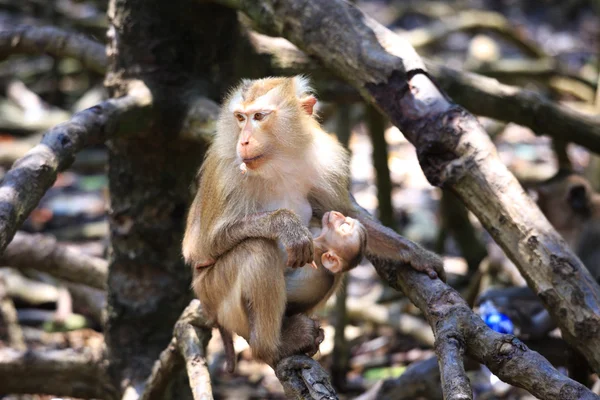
(455, 383)
(191, 342)
(45, 254)
(57, 372)
(56, 42)
(170, 360)
(31, 176)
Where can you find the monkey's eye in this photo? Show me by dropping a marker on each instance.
(259, 116)
(240, 117)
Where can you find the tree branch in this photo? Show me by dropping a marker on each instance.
(454, 152)
(31, 176)
(190, 344)
(45, 254)
(57, 372)
(191, 350)
(55, 42)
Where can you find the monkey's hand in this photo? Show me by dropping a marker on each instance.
(298, 243)
(424, 261)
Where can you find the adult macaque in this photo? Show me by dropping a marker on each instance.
(573, 208)
(339, 247)
(292, 170)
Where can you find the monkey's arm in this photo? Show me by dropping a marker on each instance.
(283, 225)
(384, 243)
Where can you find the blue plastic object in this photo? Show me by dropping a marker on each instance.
(495, 319)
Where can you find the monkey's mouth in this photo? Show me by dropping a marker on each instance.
(252, 161)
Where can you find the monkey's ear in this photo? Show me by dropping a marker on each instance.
(578, 199)
(308, 104)
(332, 262)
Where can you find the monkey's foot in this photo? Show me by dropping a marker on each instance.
(300, 335)
(319, 335)
(304, 378)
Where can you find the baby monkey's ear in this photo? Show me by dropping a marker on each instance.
(332, 262)
(308, 104)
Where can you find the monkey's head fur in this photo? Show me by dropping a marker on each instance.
(266, 120)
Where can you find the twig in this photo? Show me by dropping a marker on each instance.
(58, 372)
(31, 176)
(55, 42)
(45, 254)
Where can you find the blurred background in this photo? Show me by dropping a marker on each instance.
(548, 46)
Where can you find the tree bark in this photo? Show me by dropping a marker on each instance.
(173, 47)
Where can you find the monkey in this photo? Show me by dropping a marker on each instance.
(339, 244)
(242, 215)
(573, 208)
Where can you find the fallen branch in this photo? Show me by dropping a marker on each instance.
(31, 176)
(56, 42)
(57, 372)
(45, 254)
(456, 153)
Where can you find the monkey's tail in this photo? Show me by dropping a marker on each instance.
(229, 350)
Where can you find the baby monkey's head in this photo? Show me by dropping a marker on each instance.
(341, 244)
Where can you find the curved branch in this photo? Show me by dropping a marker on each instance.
(45, 254)
(57, 372)
(454, 152)
(31, 176)
(471, 20)
(56, 42)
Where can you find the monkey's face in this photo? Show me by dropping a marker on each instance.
(270, 120)
(344, 240)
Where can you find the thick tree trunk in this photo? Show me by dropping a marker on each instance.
(150, 172)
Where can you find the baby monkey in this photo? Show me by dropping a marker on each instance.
(338, 247)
